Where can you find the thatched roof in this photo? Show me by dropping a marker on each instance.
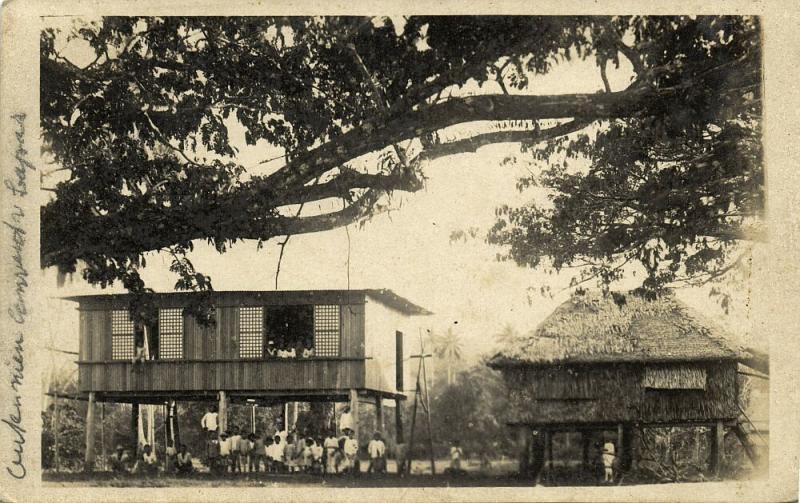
(592, 328)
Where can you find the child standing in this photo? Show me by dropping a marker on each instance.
(455, 456)
(224, 452)
(246, 452)
(259, 452)
(331, 445)
(377, 451)
(235, 440)
(608, 462)
(351, 452)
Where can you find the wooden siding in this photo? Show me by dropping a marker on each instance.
(288, 375)
(352, 331)
(615, 393)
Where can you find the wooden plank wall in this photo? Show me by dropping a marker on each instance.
(243, 375)
(352, 331)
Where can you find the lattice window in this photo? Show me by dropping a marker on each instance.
(170, 333)
(326, 330)
(251, 332)
(121, 335)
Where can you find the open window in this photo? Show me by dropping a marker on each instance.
(290, 330)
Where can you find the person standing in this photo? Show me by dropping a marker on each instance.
(224, 451)
(455, 456)
(331, 445)
(351, 453)
(377, 452)
(209, 421)
(236, 440)
(608, 462)
(346, 420)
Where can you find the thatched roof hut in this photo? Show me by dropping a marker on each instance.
(616, 361)
(593, 329)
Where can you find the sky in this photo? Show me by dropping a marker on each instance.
(407, 250)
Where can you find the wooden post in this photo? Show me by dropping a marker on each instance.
(524, 441)
(626, 447)
(56, 434)
(89, 458)
(135, 427)
(103, 434)
(176, 431)
(586, 441)
(398, 421)
(222, 419)
(549, 445)
(379, 414)
(717, 447)
(354, 411)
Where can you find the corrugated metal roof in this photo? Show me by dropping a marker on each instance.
(592, 328)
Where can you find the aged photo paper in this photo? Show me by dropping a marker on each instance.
(417, 251)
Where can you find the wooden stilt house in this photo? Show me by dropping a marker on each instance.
(618, 363)
(269, 347)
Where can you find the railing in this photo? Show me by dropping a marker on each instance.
(210, 375)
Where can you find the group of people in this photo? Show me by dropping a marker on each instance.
(288, 452)
(177, 461)
(283, 349)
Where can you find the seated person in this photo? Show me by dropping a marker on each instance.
(271, 351)
(119, 460)
(169, 458)
(146, 464)
(308, 351)
(183, 461)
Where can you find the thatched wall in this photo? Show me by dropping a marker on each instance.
(617, 393)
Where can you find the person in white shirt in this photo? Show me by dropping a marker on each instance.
(224, 451)
(236, 440)
(351, 453)
(455, 456)
(278, 453)
(377, 451)
(209, 421)
(331, 446)
(608, 462)
(346, 420)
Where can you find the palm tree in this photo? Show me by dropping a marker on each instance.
(447, 347)
(506, 336)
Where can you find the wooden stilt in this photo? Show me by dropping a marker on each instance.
(379, 414)
(524, 442)
(89, 458)
(134, 428)
(176, 431)
(626, 447)
(549, 450)
(398, 421)
(717, 439)
(222, 415)
(354, 411)
(103, 435)
(586, 441)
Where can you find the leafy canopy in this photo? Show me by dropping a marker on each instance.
(143, 134)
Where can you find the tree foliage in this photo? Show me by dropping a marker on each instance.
(144, 133)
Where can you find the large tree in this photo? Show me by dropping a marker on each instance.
(674, 176)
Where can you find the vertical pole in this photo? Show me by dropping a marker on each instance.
(586, 439)
(253, 422)
(409, 453)
(549, 445)
(524, 441)
(176, 430)
(379, 414)
(398, 421)
(89, 457)
(428, 413)
(56, 433)
(135, 427)
(354, 411)
(223, 412)
(627, 447)
(103, 434)
(717, 439)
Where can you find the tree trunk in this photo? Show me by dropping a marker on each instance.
(89, 458)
